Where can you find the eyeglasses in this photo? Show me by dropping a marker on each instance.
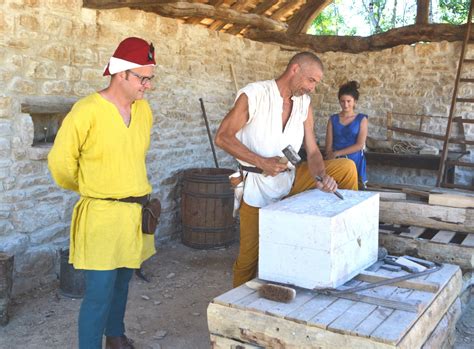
(143, 79)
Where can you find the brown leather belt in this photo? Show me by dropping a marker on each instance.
(142, 200)
(251, 169)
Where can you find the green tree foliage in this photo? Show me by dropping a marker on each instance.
(331, 22)
(368, 17)
(454, 11)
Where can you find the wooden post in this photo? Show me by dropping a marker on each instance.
(6, 281)
(422, 11)
(389, 125)
(421, 122)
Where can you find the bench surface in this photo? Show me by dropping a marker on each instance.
(392, 316)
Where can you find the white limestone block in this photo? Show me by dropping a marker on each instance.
(316, 240)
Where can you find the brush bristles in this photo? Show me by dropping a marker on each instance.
(277, 293)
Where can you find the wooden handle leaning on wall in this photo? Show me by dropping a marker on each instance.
(233, 78)
(389, 124)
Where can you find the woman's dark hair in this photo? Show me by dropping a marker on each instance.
(350, 88)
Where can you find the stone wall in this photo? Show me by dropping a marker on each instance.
(53, 52)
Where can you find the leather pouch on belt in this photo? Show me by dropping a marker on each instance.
(151, 216)
(237, 182)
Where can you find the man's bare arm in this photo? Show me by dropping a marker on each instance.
(225, 138)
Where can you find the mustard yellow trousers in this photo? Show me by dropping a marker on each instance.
(343, 171)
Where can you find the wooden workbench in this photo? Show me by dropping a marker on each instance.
(403, 317)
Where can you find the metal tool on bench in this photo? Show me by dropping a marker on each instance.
(294, 158)
(408, 264)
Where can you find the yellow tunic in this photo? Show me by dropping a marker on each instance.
(98, 156)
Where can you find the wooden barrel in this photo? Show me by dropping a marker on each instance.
(6, 282)
(207, 202)
(72, 282)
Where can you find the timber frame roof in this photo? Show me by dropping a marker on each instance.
(285, 22)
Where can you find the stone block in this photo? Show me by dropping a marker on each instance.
(40, 216)
(23, 86)
(56, 88)
(35, 261)
(49, 234)
(29, 23)
(14, 243)
(5, 226)
(316, 240)
(55, 52)
(86, 57)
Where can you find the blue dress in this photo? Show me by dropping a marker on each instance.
(346, 135)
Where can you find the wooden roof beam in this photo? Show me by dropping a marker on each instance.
(422, 11)
(196, 20)
(288, 7)
(239, 5)
(302, 20)
(356, 44)
(260, 9)
(111, 4)
(186, 9)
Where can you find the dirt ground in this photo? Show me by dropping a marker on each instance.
(167, 312)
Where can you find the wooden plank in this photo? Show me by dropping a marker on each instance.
(445, 331)
(412, 307)
(411, 284)
(273, 332)
(414, 232)
(468, 241)
(370, 323)
(451, 200)
(392, 329)
(352, 318)
(283, 309)
(443, 236)
(380, 314)
(399, 321)
(310, 309)
(417, 133)
(219, 342)
(420, 214)
(244, 302)
(332, 312)
(427, 322)
(233, 295)
(390, 194)
(462, 255)
(403, 330)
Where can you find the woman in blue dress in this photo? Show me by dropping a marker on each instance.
(347, 131)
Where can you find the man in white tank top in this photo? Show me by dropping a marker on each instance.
(268, 116)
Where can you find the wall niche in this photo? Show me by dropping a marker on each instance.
(47, 115)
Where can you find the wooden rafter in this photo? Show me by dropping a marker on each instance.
(355, 44)
(239, 5)
(111, 4)
(260, 9)
(186, 9)
(196, 20)
(285, 9)
(302, 20)
(284, 22)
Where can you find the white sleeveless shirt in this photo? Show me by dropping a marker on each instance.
(263, 134)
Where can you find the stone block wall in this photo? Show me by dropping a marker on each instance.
(53, 53)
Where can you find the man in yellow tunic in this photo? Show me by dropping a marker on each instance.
(100, 153)
(267, 117)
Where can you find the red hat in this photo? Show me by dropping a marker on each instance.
(131, 53)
